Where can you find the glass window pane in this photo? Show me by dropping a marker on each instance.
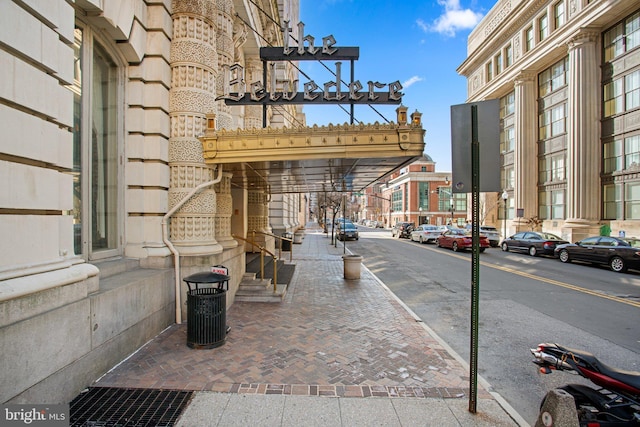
(104, 159)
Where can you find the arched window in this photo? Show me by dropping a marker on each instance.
(97, 123)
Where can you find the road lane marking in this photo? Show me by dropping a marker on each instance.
(549, 281)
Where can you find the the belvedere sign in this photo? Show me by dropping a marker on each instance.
(332, 92)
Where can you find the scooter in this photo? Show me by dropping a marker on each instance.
(615, 401)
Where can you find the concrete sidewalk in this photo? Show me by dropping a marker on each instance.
(335, 352)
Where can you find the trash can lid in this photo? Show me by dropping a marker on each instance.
(206, 277)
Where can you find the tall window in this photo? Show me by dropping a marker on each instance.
(552, 168)
(622, 38)
(551, 204)
(528, 39)
(507, 104)
(612, 154)
(508, 56)
(552, 122)
(498, 63)
(632, 151)
(632, 90)
(543, 27)
(396, 200)
(613, 98)
(618, 207)
(489, 71)
(558, 14)
(423, 198)
(508, 140)
(95, 160)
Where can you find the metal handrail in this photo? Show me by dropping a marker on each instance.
(279, 246)
(262, 251)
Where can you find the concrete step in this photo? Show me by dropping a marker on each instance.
(257, 292)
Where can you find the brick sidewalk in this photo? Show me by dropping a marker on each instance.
(329, 337)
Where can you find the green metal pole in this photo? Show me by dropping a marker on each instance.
(475, 259)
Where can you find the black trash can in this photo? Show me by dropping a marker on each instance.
(206, 310)
(286, 244)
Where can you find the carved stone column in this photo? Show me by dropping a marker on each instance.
(583, 131)
(525, 151)
(225, 54)
(224, 211)
(258, 217)
(192, 95)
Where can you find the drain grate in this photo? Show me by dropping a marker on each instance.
(127, 407)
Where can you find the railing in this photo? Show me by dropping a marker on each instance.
(262, 251)
(280, 245)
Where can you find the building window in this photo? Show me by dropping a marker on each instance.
(96, 150)
(632, 152)
(508, 56)
(423, 198)
(498, 63)
(543, 27)
(622, 38)
(507, 104)
(444, 199)
(613, 98)
(552, 122)
(632, 200)
(528, 39)
(632, 90)
(508, 139)
(508, 177)
(553, 78)
(489, 71)
(552, 169)
(612, 156)
(551, 204)
(612, 201)
(558, 15)
(396, 200)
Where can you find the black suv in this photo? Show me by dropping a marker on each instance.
(402, 230)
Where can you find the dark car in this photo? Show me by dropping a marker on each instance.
(402, 229)
(459, 239)
(618, 254)
(532, 242)
(346, 231)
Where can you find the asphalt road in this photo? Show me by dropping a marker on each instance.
(523, 301)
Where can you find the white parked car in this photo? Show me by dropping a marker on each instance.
(425, 233)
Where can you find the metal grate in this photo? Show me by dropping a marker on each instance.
(127, 407)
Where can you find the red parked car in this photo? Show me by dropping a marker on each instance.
(459, 239)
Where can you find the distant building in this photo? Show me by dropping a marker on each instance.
(419, 194)
(567, 74)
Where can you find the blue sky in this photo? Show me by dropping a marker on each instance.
(419, 43)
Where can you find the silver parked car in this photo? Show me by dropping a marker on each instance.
(425, 233)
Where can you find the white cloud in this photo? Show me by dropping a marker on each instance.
(412, 80)
(452, 20)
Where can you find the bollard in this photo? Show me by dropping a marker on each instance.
(558, 410)
(352, 266)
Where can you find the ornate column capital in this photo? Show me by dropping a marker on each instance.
(583, 36)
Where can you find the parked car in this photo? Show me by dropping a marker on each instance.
(459, 239)
(619, 254)
(491, 232)
(346, 231)
(425, 233)
(532, 242)
(402, 229)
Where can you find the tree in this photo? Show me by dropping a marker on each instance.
(534, 222)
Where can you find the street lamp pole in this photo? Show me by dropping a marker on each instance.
(505, 196)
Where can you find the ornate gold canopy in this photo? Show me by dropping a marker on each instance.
(312, 159)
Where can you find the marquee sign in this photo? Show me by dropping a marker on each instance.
(236, 93)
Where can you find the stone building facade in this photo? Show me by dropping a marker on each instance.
(107, 201)
(567, 73)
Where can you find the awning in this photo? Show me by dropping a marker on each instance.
(313, 159)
